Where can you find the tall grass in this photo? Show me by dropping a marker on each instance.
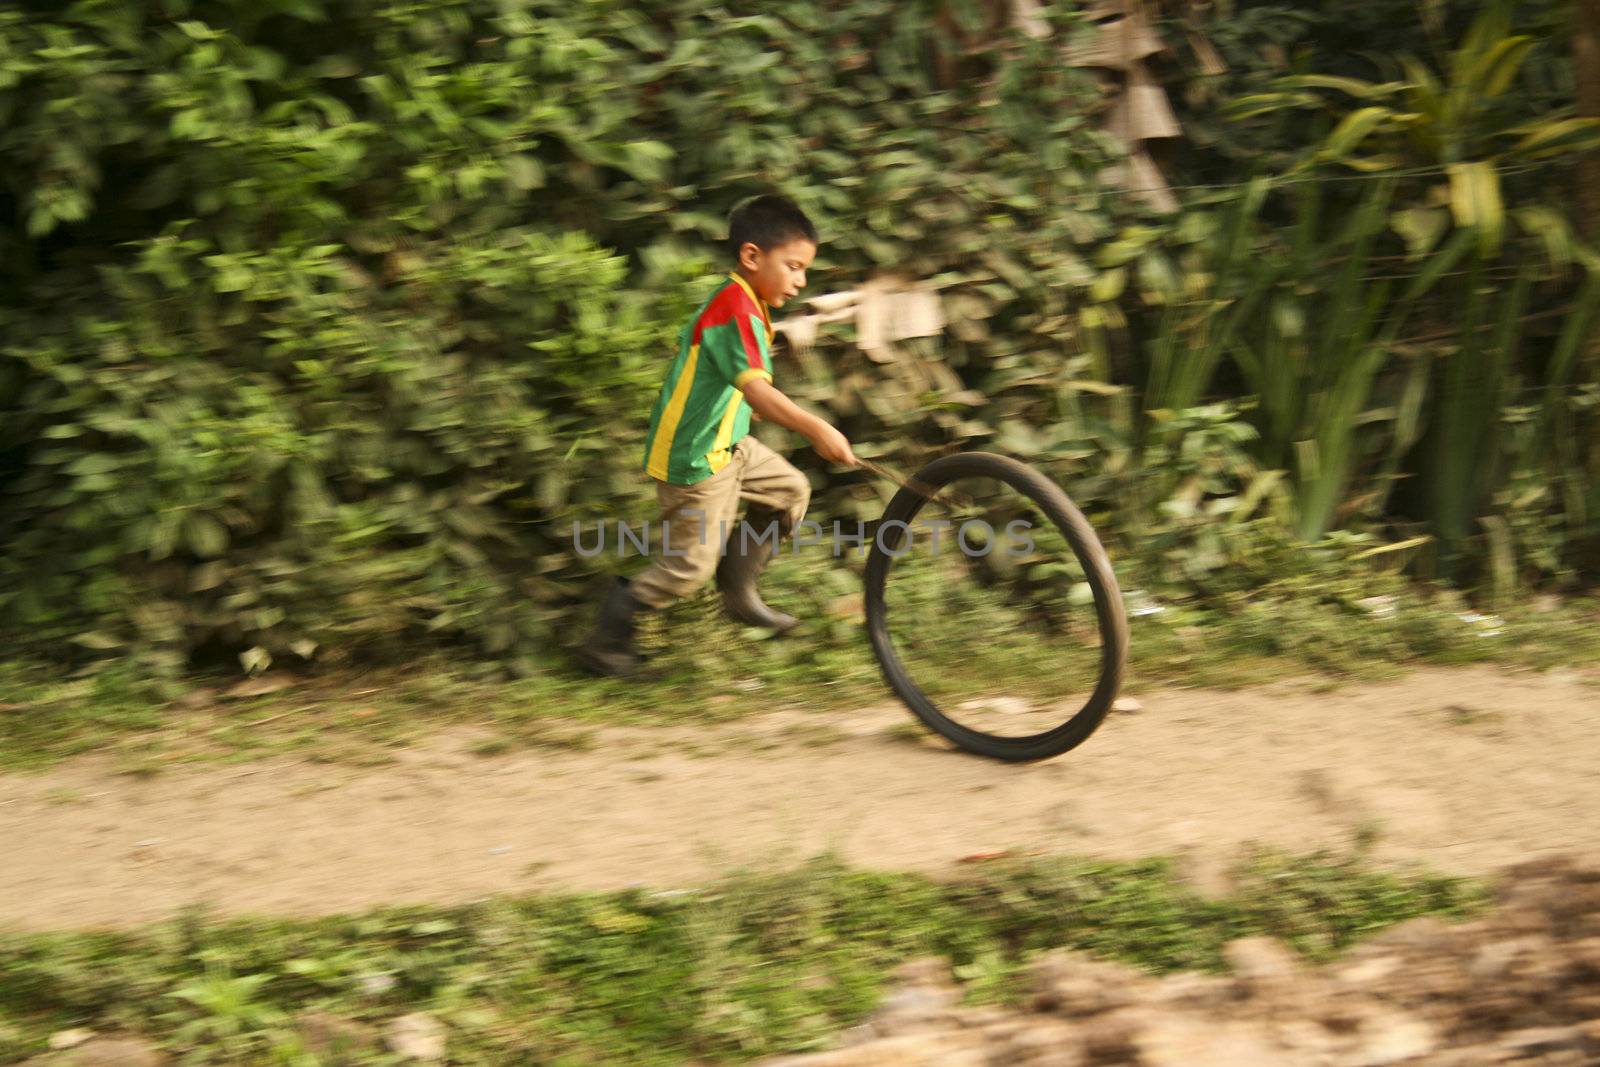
(1367, 364)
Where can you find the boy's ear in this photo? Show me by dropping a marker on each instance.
(749, 255)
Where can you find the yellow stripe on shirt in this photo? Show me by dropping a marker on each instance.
(661, 448)
(721, 451)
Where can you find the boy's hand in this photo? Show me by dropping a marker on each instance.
(832, 446)
(768, 403)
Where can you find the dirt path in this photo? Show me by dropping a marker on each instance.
(1466, 769)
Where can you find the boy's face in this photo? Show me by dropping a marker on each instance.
(779, 272)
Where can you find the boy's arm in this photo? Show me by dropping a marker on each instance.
(767, 401)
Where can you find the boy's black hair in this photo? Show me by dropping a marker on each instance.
(765, 221)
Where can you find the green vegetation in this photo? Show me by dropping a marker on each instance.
(759, 964)
(1273, 610)
(322, 322)
(325, 321)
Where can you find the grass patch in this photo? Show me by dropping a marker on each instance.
(756, 965)
(1330, 622)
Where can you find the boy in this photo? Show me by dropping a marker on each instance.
(700, 452)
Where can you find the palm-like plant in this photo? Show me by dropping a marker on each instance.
(1458, 124)
(1447, 138)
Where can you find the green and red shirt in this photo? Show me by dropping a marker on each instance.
(701, 412)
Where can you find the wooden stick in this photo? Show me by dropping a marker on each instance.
(954, 498)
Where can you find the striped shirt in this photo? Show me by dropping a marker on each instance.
(701, 412)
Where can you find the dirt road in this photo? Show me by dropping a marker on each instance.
(1465, 769)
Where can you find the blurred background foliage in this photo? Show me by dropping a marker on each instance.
(323, 321)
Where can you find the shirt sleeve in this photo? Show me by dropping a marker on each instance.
(738, 348)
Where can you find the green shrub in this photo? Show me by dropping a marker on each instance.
(324, 320)
(258, 451)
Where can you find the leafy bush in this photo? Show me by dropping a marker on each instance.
(309, 348)
(324, 319)
(256, 451)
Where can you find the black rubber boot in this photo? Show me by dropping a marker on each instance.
(743, 560)
(610, 650)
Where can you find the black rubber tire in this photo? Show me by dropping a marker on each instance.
(1109, 612)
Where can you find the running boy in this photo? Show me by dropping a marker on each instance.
(699, 450)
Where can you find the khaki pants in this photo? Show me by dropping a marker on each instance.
(696, 518)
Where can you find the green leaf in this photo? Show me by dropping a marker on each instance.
(1475, 200)
(1109, 285)
(1497, 68)
(1365, 90)
(1422, 228)
(646, 160)
(1557, 137)
(198, 31)
(93, 463)
(1438, 265)
(1250, 106)
(1551, 227)
(1355, 128)
(100, 642)
(205, 536)
(525, 172)
(207, 576)
(1425, 94)
(306, 10)
(255, 660)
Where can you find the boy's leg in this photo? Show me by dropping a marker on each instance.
(778, 494)
(772, 484)
(694, 519)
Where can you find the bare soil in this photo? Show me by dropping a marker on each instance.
(1465, 770)
(1519, 986)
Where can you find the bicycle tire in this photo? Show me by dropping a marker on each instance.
(1054, 503)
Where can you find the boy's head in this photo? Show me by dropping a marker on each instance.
(773, 243)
